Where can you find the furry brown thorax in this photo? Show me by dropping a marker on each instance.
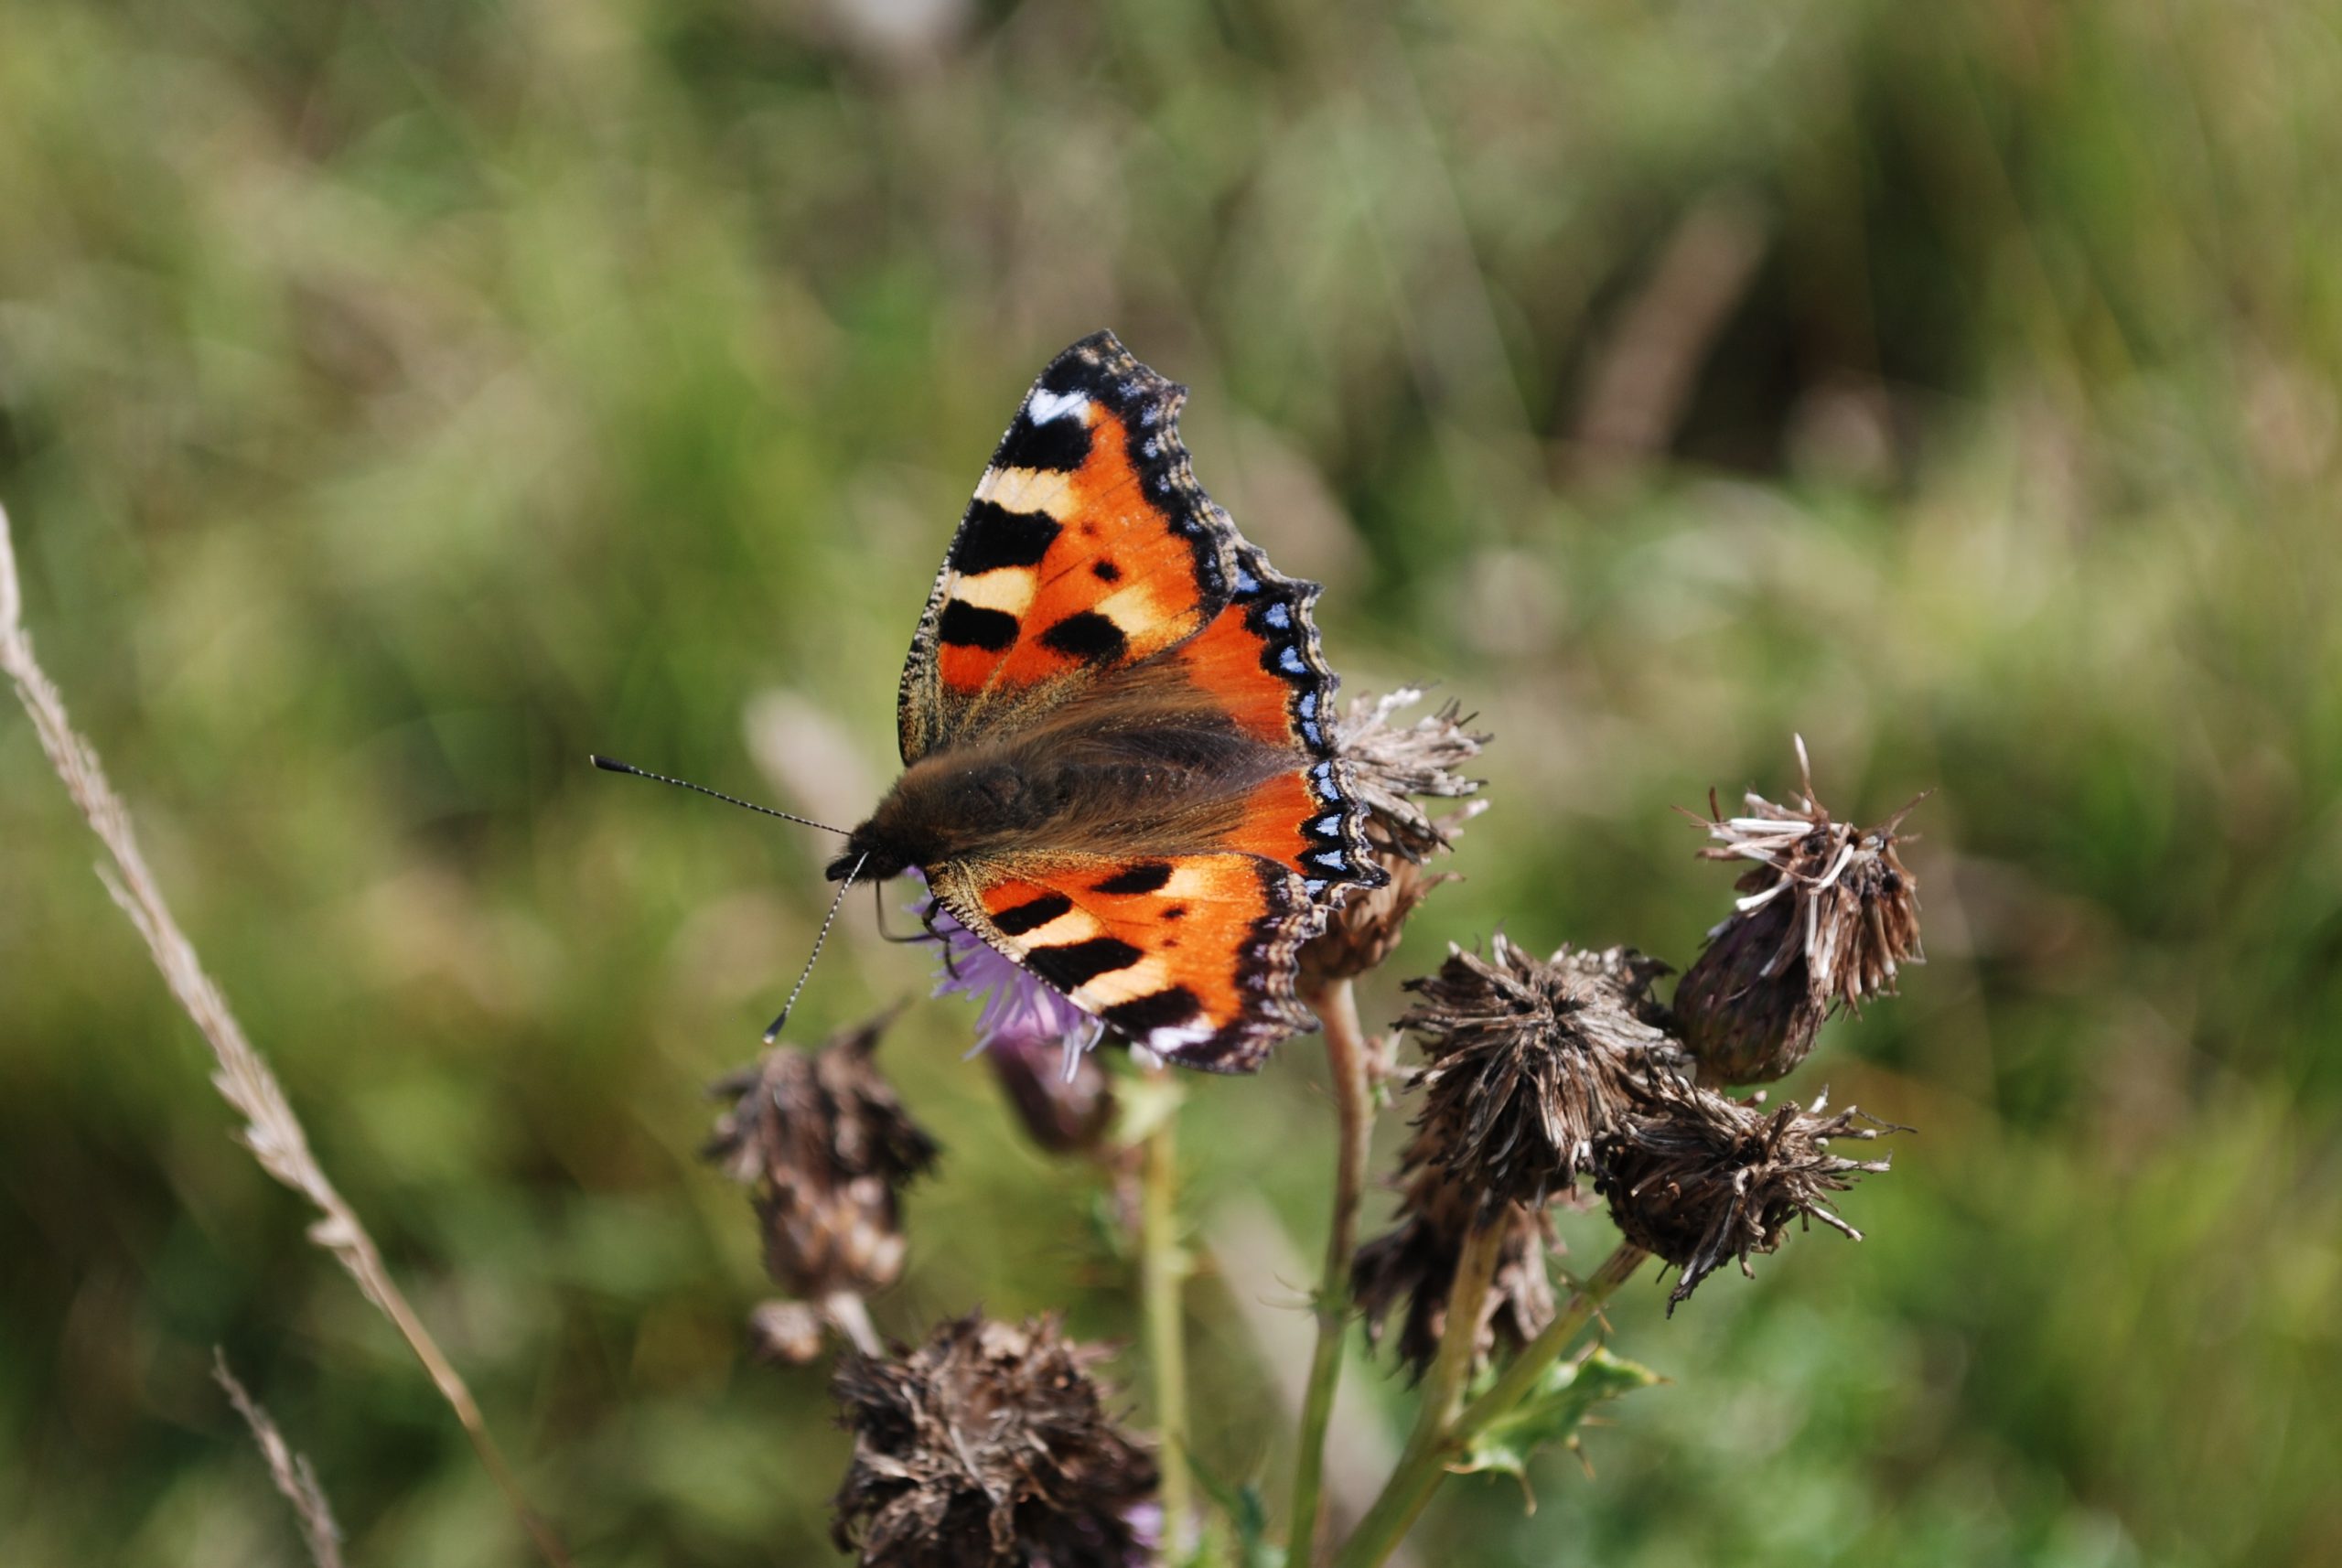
(1163, 774)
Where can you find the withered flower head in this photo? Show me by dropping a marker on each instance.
(1065, 1115)
(1364, 933)
(1826, 914)
(1415, 1261)
(825, 1148)
(1387, 763)
(987, 1448)
(1697, 1176)
(1528, 1063)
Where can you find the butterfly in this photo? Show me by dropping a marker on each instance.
(1116, 732)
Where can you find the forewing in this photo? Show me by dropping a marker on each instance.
(1089, 547)
(1191, 956)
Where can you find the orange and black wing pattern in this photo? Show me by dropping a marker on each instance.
(1092, 575)
(1089, 547)
(1191, 956)
(1259, 662)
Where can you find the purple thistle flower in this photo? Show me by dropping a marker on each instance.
(1018, 1005)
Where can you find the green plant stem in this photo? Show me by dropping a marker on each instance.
(1346, 1058)
(1428, 1455)
(1163, 1270)
(1542, 1352)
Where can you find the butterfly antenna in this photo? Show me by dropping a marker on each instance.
(820, 937)
(611, 765)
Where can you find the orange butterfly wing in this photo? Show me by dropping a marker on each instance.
(1089, 547)
(1192, 956)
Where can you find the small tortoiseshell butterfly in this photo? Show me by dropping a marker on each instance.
(1116, 731)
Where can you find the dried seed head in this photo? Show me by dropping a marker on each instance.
(1063, 1115)
(1387, 763)
(1697, 1176)
(825, 1149)
(1364, 933)
(1414, 1261)
(1826, 915)
(987, 1448)
(1528, 1063)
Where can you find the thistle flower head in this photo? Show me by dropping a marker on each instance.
(1826, 915)
(825, 1148)
(1529, 1061)
(1387, 763)
(986, 1447)
(1017, 1004)
(1414, 1262)
(1697, 1176)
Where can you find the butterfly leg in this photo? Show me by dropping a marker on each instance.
(927, 918)
(879, 889)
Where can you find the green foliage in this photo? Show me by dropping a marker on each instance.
(398, 402)
(1549, 1416)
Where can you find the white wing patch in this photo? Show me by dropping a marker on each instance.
(1045, 406)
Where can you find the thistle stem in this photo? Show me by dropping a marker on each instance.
(1162, 1270)
(1425, 1463)
(1545, 1349)
(1346, 1058)
(850, 1316)
(1459, 1338)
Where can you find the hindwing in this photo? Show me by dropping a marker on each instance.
(1191, 956)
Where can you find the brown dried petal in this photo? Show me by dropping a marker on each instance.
(1829, 913)
(1529, 1062)
(1697, 1178)
(1387, 764)
(985, 1447)
(1414, 1262)
(825, 1148)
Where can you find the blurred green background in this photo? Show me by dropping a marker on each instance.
(398, 400)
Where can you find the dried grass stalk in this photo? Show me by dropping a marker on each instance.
(290, 1471)
(270, 1131)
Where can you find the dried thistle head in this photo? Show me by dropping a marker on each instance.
(1365, 932)
(1697, 1176)
(1387, 763)
(1826, 915)
(1528, 1063)
(825, 1148)
(1414, 1262)
(987, 1448)
(1063, 1114)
